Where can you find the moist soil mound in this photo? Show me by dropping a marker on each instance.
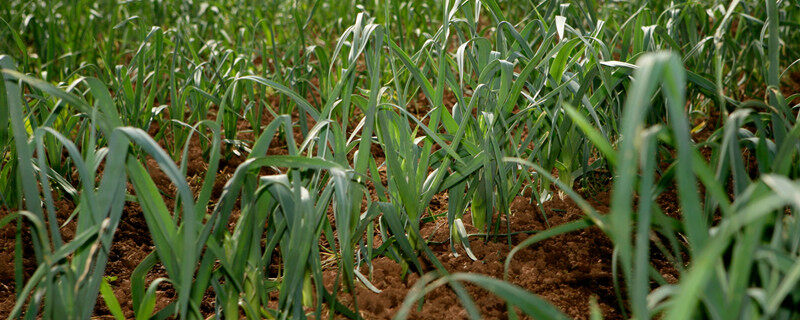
(64, 209)
(567, 270)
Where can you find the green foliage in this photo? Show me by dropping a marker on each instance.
(378, 108)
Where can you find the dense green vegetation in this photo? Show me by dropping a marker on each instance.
(515, 96)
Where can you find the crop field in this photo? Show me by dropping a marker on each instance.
(400, 159)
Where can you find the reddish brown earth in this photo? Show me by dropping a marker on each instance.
(567, 270)
(7, 277)
(7, 245)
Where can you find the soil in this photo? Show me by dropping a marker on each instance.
(567, 270)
